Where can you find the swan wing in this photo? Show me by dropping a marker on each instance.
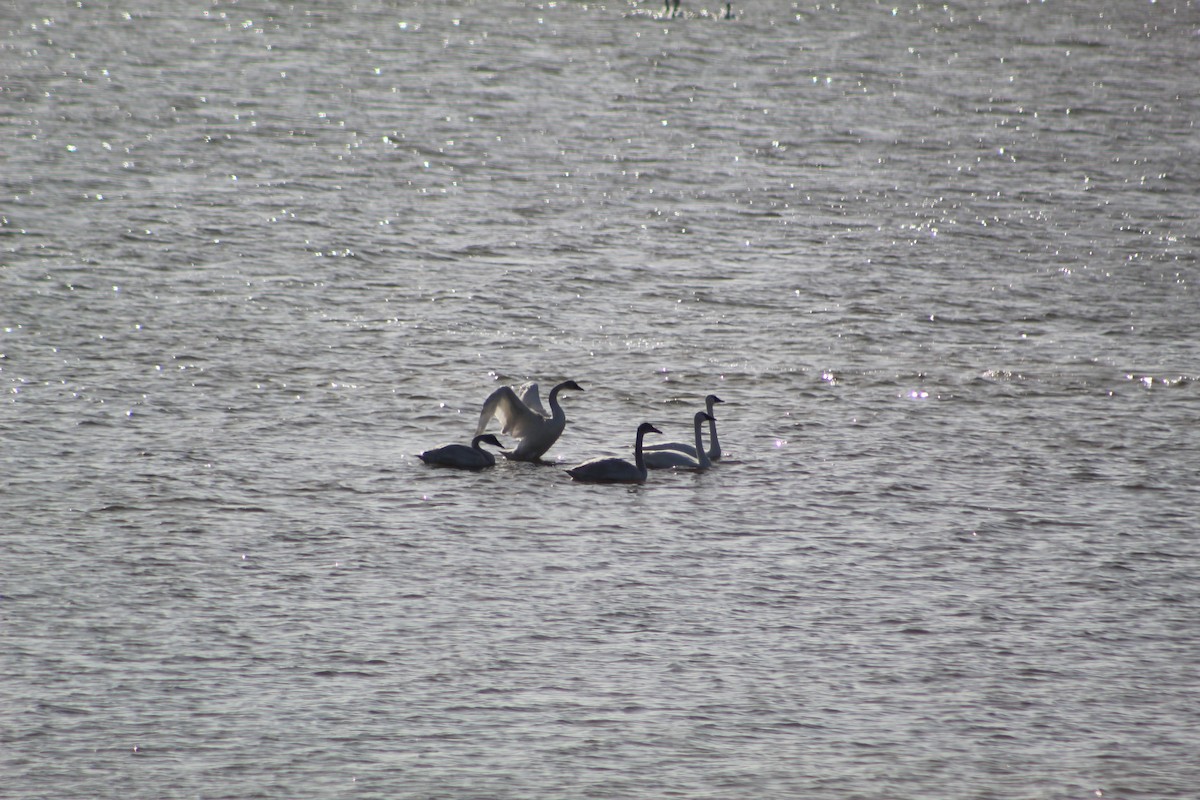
(687, 449)
(666, 459)
(531, 397)
(516, 418)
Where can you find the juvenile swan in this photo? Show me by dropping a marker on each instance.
(665, 459)
(714, 447)
(521, 416)
(616, 470)
(460, 456)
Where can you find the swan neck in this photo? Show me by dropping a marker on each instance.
(639, 460)
(712, 435)
(701, 456)
(556, 410)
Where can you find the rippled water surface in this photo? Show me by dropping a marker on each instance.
(939, 261)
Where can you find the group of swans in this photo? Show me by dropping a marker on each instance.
(522, 416)
(667, 455)
(698, 458)
(671, 10)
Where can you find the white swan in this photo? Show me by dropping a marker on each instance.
(462, 457)
(666, 459)
(714, 445)
(616, 470)
(522, 416)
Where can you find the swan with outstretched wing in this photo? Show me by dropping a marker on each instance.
(523, 417)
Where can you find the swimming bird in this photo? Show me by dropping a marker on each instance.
(714, 445)
(665, 459)
(522, 416)
(462, 457)
(616, 470)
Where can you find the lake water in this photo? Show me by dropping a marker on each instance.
(940, 261)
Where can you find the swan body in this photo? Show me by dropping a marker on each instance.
(523, 417)
(666, 459)
(616, 470)
(460, 456)
(714, 446)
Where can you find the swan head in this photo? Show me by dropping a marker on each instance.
(645, 428)
(712, 398)
(703, 416)
(487, 438)
(569, 385)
